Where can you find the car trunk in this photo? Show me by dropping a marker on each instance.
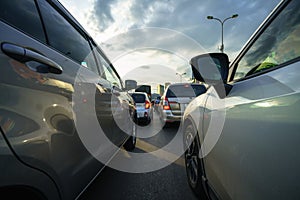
(178, 105)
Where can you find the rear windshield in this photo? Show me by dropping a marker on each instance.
(185, 90)
(139, 98)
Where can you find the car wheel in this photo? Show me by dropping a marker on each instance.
(131, 142)
(148, 121)
(193, 163)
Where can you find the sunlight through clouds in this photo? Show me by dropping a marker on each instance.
(110, 22)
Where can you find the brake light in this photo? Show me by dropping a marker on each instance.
(147, 104)
(166, 105)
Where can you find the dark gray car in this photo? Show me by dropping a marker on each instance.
(55, 83)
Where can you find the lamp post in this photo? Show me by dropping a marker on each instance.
(222, 24)
(181, 75)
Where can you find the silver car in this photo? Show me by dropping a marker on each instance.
(176, 98)
(242, 137)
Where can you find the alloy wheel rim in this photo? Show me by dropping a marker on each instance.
(191, 157)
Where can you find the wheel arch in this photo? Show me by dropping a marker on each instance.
(189, 121)
(210, 192)
(208, 187)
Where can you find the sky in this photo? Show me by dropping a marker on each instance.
(153, 41)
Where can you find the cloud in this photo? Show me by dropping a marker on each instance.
(189, 17)
(102, 12)
(178, 27)
(161, 39)
(156, 74)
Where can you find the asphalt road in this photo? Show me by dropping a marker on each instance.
(158, 174)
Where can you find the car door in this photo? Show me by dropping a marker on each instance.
(121, 103)
(39, 75)
(256, 153)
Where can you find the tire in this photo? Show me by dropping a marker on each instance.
(148, 121)
(131, 142)
(193, 163)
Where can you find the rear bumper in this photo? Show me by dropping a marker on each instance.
(143, 115)
(168, 116)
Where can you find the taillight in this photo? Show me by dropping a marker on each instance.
(147, 104)
(166, 105)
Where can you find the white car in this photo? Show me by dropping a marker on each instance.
(242, 136)
(144, 109)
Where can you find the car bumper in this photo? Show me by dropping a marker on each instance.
(143, 115)
(168, 116)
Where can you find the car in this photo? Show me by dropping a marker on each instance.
(59, 94)
(175, 99)
(156, 102)
(241, 138)
(154, 98)
(144, 109)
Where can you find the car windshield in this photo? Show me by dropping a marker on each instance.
(139, 98)
(186, 90)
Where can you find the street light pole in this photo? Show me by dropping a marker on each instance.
(222, 26)
(181, 76)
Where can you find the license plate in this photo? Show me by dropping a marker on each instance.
(140, 114)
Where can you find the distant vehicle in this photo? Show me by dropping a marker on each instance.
(242, 136)
(144, 109)
(157, 101)
(43, 51)
(144, 88)
(130, 84)
(154, 98)
(176, 98)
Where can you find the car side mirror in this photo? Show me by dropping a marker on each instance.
(212, 69)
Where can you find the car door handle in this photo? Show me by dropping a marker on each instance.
(24, 55)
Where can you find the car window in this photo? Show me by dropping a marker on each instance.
(199, 89)
(139, 98)
(278, 44)
(24, 16)
(186, 90)
(65, 38)
(108, 72)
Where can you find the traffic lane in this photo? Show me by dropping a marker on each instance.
(169, 182)
(155, 134)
